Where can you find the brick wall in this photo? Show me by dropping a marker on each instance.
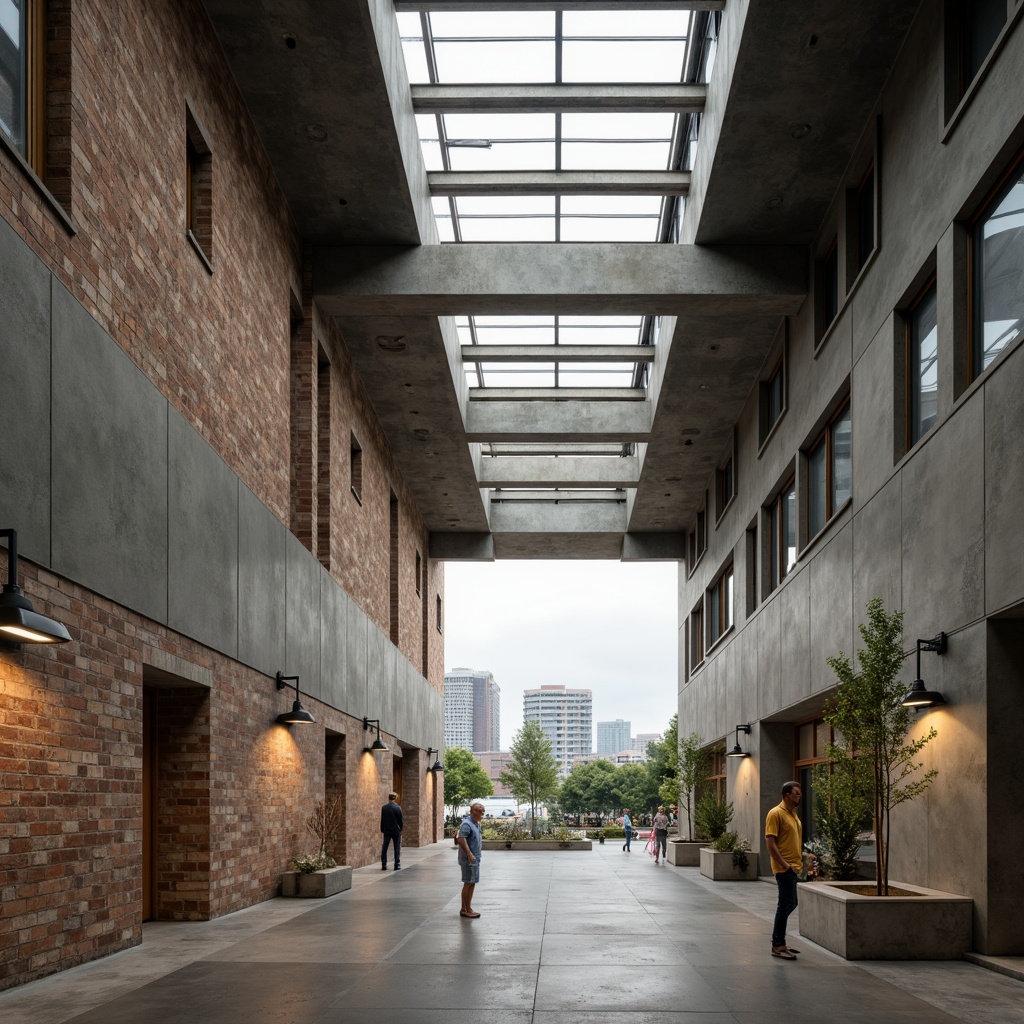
(220, 346)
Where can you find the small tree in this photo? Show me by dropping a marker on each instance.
(464, 779)
(663, 763)
(323, 824)
(871, 725)
(532, 773)
(590, 788)
(842, 805)
(694, 766)
(712, 816)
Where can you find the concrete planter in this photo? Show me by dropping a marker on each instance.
(538, 844)
(685, 852)
(931, 926)
(317, 884)
(719, 867)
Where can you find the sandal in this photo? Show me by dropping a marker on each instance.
(783, 954)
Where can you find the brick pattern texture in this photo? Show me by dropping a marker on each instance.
(233, 790)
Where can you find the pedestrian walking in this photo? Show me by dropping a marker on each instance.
(391, 830)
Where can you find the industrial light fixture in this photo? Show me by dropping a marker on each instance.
(378, 743)
(436, 766)
(298, 714)
(20, 623)
(736, 750)
(917, 696)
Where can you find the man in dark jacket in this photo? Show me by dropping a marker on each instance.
(391, 829)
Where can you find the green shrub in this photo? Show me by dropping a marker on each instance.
(737, 845)
(614, 832)
(307, 863)
(711, 817)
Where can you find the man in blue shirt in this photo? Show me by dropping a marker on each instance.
(470, 849)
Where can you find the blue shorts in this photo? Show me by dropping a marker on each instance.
(470, 872)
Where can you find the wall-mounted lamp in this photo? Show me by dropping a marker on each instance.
(736, 751)
(917, 696)
(298, 714)
(436, 766)
(378, 743)
(20, 623)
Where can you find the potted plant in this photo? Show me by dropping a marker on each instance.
(694, 764)
(318, 875)
(880, 921)
(725, 859)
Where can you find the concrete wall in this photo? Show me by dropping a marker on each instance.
(934, 531)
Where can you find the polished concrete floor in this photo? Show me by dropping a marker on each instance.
(567, 937)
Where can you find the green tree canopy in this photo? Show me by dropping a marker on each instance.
(694, 766)
(635, 788)
(464, 779)
(663, 763)
(871, 723)
(590, 789)
(532, 773)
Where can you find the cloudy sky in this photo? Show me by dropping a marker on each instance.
(609, 626)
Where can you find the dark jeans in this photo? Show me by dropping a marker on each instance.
(397, 840)
(787, 904)
(660, 843)
(629, 836)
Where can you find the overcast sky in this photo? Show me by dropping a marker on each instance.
(609, 626)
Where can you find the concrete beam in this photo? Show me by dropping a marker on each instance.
(564, 518)
(565, 471)
(558, 99)
(559, 496)
(559, 5)
(517, 450)
(654, 547)
(558, 353)
(462, 547)
(581, 277)
(558, 421)
(554, 394)
(559, 183)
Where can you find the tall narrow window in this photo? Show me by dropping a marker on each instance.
(720, 606)
(981, 21)
(393, 566)
(998, 257)
(773, 398)
(829, 281)
(698, 537)
(198, 188)
(922, 366)
(753, 567)
(864, 211)
(782, 527)
(355, 468)
(725, 484)
(697, 635)
(323, 460)
(23, 78)
(439, 629)
(828, 471)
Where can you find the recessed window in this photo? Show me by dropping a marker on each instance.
(725, 481)
(922, 365)
(864, 219)
(697, 635)
(979, 24)
(828, 471)
(782, 534)
(439, 629)
(720, 606)
(997, 253)
(772, 398)
(355, 463)
(697, 538)
(198, 188)
(752, 569)
(828, 288)
(419, 570)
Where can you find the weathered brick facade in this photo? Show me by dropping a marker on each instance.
(235, 346)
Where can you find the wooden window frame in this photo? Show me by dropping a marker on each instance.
(721, 601)
(778, 569)
(912, 345)
(826, 439)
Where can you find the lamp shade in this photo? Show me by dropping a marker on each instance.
(918, 697)
(379, 744)
(297, 716)
(21, 624)
(737, 752)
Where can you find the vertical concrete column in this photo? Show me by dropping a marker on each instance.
(775, 756)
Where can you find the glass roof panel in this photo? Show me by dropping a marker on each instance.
(532, 375)
(629, 206)
(507, 229)
(595, 378)
(524, 156)
(491, 60)
(494, 24)
(625, 23)
(504, 206)
(619, 229)
(633, 60)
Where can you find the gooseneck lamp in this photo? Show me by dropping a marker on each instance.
(298, 714)
(917, 696)
(737, 751)
(20, 623)
(436, 766)
(378, 744)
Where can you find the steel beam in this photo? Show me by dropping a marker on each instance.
(559, 183)
(554, 394)
(558, 99)
(558, 353)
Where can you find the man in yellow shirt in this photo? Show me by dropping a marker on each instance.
(783, 834)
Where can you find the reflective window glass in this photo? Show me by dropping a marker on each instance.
(923, 378)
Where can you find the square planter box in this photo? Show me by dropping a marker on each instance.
(685, 852)
(538, 845)
(719, 866)
(317, 884)
(931, 926)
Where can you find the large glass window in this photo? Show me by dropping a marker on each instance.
(828, 471)
(22, 45)
(922, 366)
(782, 528)
(720, 606)
(998, 258)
